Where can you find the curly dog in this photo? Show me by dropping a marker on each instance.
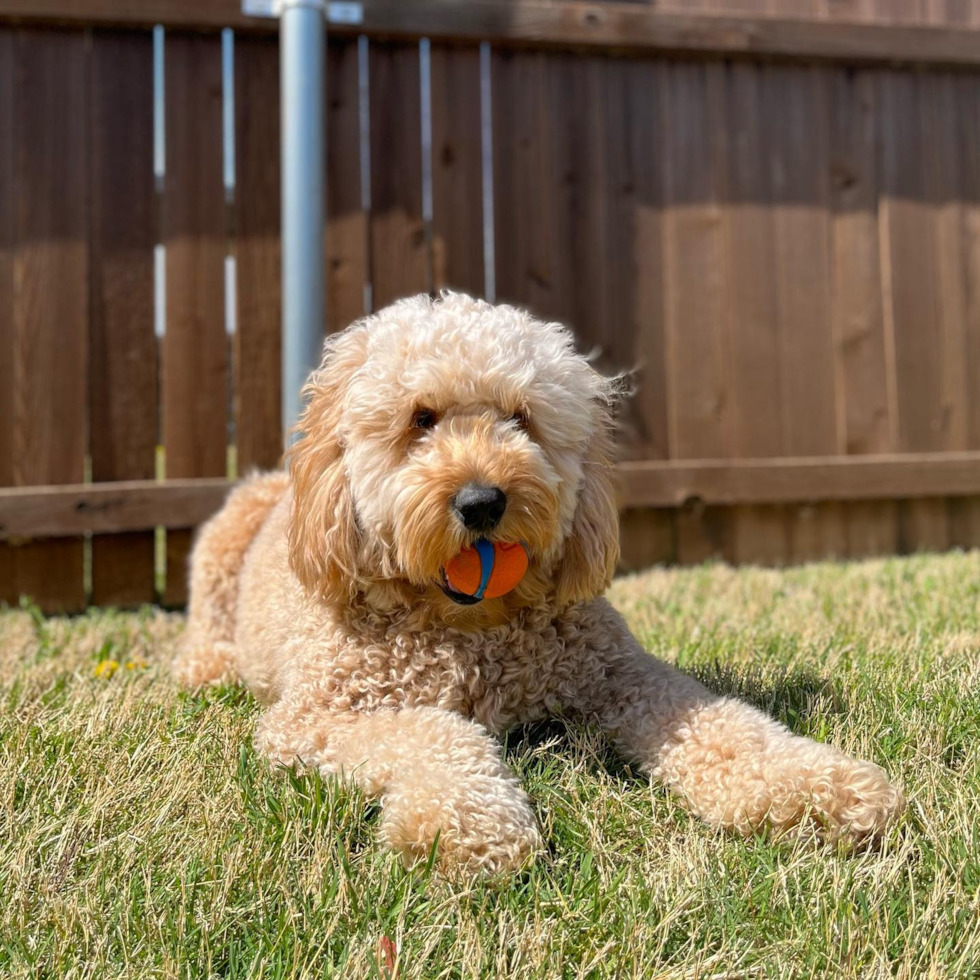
(428, 426)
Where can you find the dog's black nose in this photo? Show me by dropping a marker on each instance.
(480, 507)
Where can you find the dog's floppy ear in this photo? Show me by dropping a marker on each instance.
(592, 548)
(323, 535)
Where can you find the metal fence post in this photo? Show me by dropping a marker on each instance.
(301, 52)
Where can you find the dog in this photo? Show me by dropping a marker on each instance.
(324, 591)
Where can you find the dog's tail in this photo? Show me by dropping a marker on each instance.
(206, 654)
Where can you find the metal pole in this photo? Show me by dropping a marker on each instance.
(301, 59)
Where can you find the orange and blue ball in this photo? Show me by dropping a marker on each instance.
(487, 570)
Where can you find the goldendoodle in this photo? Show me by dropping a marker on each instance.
(429, 427)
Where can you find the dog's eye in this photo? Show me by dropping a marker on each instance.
(424, 418)
(521, 420)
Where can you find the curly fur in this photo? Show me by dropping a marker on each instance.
(320, 591)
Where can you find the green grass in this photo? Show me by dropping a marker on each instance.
(141, 837)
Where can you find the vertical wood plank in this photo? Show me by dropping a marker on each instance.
(50, 315)
(696, 285)
(122, 344)
(859, 325)
(948, 134)
(752, 319)
(195, 369)
(8, 585)
(528, 258)
(257, 345)
(457, 169)
(812, 426)
(965, 513)
(636, 223)
(908, 243)
(400, 261)
(347, 222)
(629, 113)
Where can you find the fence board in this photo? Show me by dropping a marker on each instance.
(569, 24)
(51, 294)
(629, 111)
(908, 236)
(122, 343)
(965, 514)
(868, 413)
(400, 261)
(696, 286)
(800, 109)
(257, 342)
(945, 122)
(634, 107)
(347, 222)
(752, 323)
(8, 590)
(457, 169)
(523, 262)
(195, 348)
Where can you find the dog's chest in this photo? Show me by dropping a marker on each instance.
(499, 677)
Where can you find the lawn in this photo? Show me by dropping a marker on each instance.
(141, 837)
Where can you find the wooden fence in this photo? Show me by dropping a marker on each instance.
(775, 219)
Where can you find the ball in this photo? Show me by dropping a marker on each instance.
(488, 569)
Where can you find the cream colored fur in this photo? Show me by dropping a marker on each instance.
(320, 592)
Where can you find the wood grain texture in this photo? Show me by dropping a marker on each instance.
(876, 31)
(810, 398)
(400, 254)
(964, 515)
(8, 587)
(50, 315)
(347, 221)
(122, 344)
(257, 343)
(457, 170)
(195, 347)
(729, 482)
(117, 508)
(627, 117)
(752, 324)
(911, 288)
(869, 416)
(696, 278)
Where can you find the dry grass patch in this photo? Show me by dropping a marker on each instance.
(142, 838)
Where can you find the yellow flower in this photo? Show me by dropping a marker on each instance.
(137, 663)
(106, 668)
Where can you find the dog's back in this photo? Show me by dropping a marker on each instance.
(206, 655)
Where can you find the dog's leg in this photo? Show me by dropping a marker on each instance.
(207, 654)
(736, 767)
(437, 774)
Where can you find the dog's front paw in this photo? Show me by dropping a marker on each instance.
(854, 800)
(484, 824)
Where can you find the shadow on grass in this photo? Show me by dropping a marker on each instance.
(799, 699)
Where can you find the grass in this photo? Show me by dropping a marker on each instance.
(141, 837)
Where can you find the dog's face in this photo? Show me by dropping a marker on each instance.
(435, 423)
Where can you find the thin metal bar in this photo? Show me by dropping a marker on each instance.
(302, 44)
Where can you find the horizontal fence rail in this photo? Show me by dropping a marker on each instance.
(137, 505)
(767, 222)
(540, 23)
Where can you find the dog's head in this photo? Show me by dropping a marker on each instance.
(437, 422)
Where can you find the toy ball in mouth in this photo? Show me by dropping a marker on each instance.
(485, 571)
